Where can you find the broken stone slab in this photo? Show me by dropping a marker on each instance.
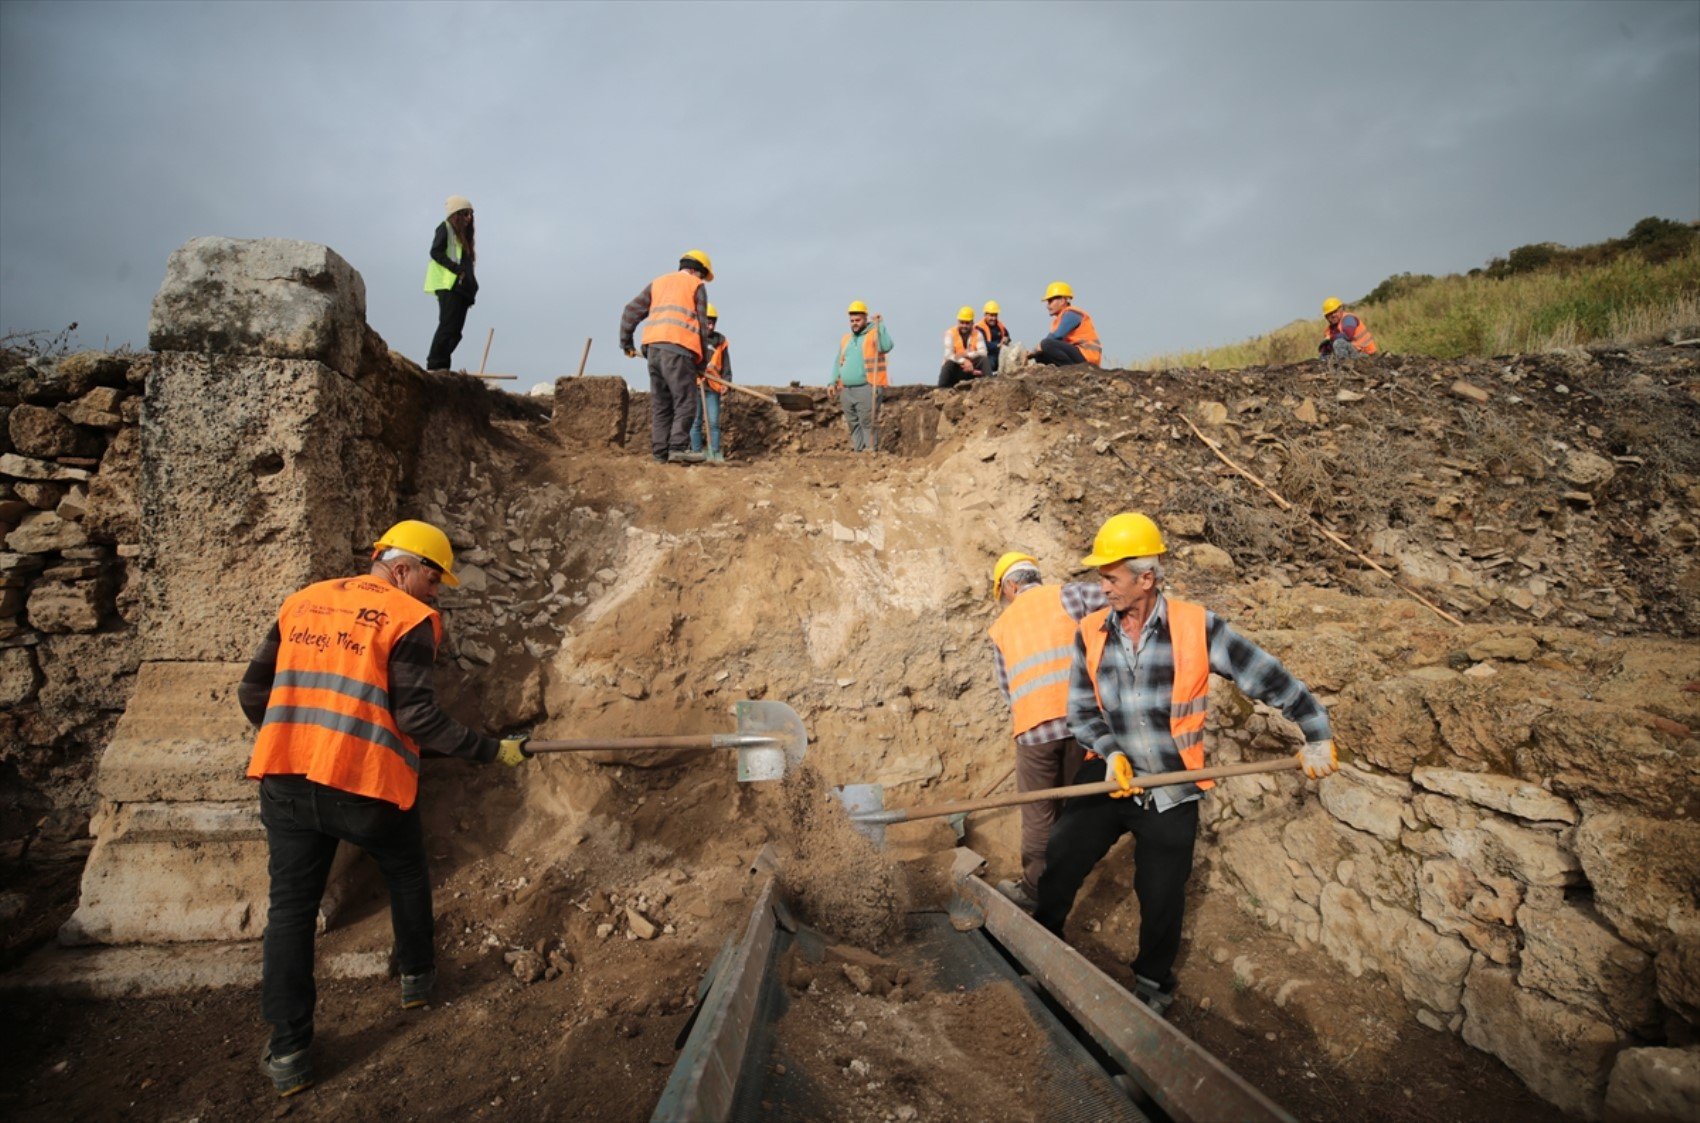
(181, 737)
(1643, 873)
(269, 297)
(98, 408)
(1570, 955)
(1366, 801)
(1585, 469)
(42, 532)
(1499, 793)
(41, 432)
(1479, 911)
(1496, 847)
(1515, 649)
(591, 410)
(30, 468)
(1654, 1085)
(1207, 558)
(639, 925)
(19, 678)
(150, 972)
(1563, 1055)
(1469, 391)
(68, 606)
(1426, 966)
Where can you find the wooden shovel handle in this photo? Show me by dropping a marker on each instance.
(1157, 780)
(683, 741)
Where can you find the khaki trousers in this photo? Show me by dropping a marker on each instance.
(1048, 765)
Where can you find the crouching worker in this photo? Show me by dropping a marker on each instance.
(342, 694)
(1137, 695)
(1347, 336)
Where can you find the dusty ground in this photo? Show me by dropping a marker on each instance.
(853, 588)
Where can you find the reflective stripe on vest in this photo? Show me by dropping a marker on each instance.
(328, 716)
(1358, 337)
(873, 359)
(1189, 699)
(1084, 335)
(1035, 636)
(673, 312)
(437, 278)
(953, 339)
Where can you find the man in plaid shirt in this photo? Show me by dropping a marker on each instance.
(1137, 696)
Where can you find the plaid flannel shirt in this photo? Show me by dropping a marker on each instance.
(1137, 677)
(1080, 600)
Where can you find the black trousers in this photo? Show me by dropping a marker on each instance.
(451, 320)
(304, 822)
(1058, 354)
(1162, 862)
(952, 373)
(672, 399)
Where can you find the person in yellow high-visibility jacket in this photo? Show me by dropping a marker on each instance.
(451, 279)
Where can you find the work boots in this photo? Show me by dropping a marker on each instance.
(1013, 890)
(416, 989)
(290, 1074)
(685, 458)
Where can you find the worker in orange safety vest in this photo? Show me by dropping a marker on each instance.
(964, 351)
(1032, 647)
(1074, 338)
(1138, 697)
(342, 693)
(1347, 336)
(675, 344)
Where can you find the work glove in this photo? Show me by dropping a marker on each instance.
(1121, 771)
(1319, 759)
(513, 752)
(630, 353)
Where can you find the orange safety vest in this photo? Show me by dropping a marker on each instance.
(873, 359)
(1035, 635)
(1084, 335)
(712, 380)
(953, 339)
(1190, 698)
(328, 717)
(998, 334)
(1359, 338)
(673, 312)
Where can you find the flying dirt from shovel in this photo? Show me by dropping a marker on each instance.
(841, 883)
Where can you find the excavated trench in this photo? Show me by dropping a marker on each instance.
(1492, 909)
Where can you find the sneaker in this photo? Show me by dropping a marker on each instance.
(1013, 890)
(685, 457)
(290, 1074)
(716, 458)
(1152, 995)
(416, 989)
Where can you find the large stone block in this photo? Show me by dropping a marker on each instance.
(1388, 723)
(1427, 967)
(1560, 1052)
(1595, 750)
(19, 678)
(1498, 847)
(1645, 873)
(68, 606)
(1371, 803)
(182, 737)
(43, 532)
(171, 873)
(591, 411)
(1678, 967)
(267, 297)
(1251, 855)
(39, 431)
(1499, 793)
(114, 511)
(86, 674)
(1654, 1086)
(1455, 901)
(1569, 955)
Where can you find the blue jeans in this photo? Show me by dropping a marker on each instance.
(710, 413)
(304, 823)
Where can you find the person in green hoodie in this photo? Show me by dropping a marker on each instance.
(860, 374)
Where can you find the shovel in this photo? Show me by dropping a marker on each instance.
(770, 742)
(866, 802)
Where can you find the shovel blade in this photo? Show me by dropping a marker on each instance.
(784, 755)
(863, 799)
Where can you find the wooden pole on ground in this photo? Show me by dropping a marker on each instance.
(487, 341)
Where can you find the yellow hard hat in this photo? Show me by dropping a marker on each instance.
(712, 314)
(701, 259)
(1331, 304)
(1058, 288)
(965, 315)
(858, 306)
(992, 309)
(423, 541)
(1004, 565)
(1123, 536)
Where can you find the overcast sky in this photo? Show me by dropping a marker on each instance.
(1200, 173)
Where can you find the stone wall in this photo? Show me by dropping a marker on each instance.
(69, 460)
(1521, 863)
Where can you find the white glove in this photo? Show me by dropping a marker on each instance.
(1319, 759)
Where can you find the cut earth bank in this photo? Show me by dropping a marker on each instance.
(1507, 868)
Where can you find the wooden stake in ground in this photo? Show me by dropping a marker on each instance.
(582, 359)
(487, 341)
(1329, 534)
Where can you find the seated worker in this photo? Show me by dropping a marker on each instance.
(1347, 336)
(964, 351)
(1073, 339)
(997, 336)
(716, 373)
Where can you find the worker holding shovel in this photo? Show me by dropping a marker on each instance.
(1138, 692)
(342, 694)
(714, 382)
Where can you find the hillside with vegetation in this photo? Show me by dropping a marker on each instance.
(1540, 297)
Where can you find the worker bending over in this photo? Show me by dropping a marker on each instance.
(1347, 336)
(1032, 644)
(964, 351)
(859, 374)
(342, 694)
(1073, 339)
(675, 341)
(1138, 691)
(716, 373)
(997, 336)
